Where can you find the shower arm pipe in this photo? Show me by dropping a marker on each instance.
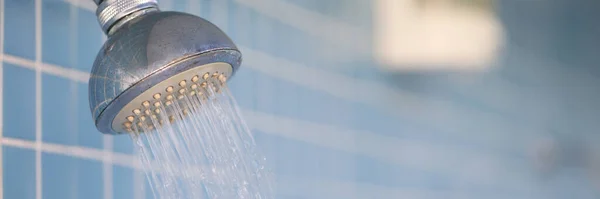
(112, 14)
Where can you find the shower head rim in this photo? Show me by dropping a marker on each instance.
(158, 93)
(107, 115)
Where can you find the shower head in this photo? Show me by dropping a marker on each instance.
(150, 58)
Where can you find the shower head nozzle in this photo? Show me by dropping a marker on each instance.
(151, 57)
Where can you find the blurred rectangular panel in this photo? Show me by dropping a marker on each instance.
(435, 34)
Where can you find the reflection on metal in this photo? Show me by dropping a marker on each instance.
(427, 35)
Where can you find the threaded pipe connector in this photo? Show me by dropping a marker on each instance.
(110, 12)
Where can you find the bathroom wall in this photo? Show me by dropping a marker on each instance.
(330, 123)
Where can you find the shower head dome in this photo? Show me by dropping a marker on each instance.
(154, 57)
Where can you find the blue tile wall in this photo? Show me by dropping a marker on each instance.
(20, 39)
(344, 129)
(124, 177)
(21, 103)
(58, 111)
(58, 33)
(71, 178)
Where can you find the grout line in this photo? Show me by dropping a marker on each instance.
(107, 166)
(38, 99)
(119, 159)
(60, 71)
(1, 97)
(21, 62)
(76, 75)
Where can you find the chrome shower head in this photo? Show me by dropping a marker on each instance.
(150, 58)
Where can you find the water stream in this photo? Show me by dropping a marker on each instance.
(198, 146)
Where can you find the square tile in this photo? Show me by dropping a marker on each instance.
(59, 110)
(265, 34)
(89, 39)
(19, 28)
(19, 173)
(288, 42)
(68, 177)
(264, 94)
(87, 134)
(58, 33)
(123, 183)
(19, 102)
(288, 98)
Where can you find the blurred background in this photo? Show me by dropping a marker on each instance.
(361, 99)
